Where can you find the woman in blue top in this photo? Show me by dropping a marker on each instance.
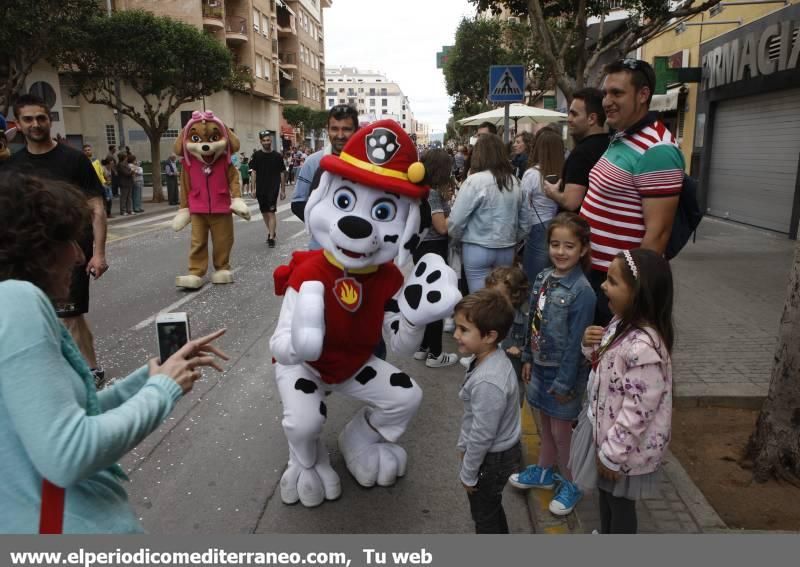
(489, 216)
(61, 438)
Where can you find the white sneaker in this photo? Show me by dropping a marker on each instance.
(467, 360)
(449, 325)
(421, 354)
(444, 359)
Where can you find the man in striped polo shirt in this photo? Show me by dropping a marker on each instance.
(634, 188)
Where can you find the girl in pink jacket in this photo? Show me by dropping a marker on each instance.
(623, 434)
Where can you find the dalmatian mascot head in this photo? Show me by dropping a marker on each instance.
(370, 205)
(368, 209)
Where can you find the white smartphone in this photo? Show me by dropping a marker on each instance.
(173, 332)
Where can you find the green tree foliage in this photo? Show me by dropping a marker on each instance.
(32, 31)
(481, 43)
(297, 115)
(466, 73)
(571, 50)
(163, 62)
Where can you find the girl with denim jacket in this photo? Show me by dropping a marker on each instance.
(562, 306)
(623, 433)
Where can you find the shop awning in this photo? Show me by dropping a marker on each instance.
(667, 102)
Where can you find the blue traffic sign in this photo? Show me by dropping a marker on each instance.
(507, 83)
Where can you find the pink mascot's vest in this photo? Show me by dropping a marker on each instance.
(208, 187)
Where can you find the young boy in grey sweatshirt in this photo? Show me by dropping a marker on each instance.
(490, 429)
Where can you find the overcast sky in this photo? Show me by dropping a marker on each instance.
(399, 38)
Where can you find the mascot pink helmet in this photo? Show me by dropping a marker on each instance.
(205, 116)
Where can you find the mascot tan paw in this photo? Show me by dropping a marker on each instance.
(310, 486)
(189, 282)
(240, 208)
(181, 219)
(222, 277)
(369, 458)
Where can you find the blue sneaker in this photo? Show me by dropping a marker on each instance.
(533, 477)
(567, 496)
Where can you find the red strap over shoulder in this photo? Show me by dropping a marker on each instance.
(51, 520)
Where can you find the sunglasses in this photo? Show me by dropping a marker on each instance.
(265, 134)
(642, 67)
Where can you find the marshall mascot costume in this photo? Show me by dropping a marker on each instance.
(210, 192)
(369, 207)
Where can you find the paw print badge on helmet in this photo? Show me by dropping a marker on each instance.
(381, 156)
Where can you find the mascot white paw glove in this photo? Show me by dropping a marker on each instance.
(181, 219)
(430, 292)
(308, 321)
(240, 208)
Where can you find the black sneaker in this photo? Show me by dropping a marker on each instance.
(271, 242)
(99, 377)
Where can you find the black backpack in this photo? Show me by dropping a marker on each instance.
(687, 217)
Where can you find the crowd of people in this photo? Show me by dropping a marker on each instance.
(567, 304)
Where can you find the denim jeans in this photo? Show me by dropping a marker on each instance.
(486, 503)
(479, 262)
(137, 196)
(536, 257)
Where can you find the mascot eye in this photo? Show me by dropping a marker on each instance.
(215, 138)
(195, 138)
(384, 210)
(344, 199)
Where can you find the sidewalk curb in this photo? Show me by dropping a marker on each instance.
(701, 510)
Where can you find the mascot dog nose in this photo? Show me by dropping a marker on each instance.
(206, 148)
(355, 227)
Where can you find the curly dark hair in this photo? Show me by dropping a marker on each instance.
(35, 216)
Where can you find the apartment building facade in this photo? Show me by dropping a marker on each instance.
(372, 93)
(250, 30)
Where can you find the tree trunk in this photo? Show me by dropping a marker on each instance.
(774, 447)
(155, 160)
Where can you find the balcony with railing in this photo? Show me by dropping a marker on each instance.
(287, 60)
(213, 13)
(236, 31)
(290, 95)
(285, 23)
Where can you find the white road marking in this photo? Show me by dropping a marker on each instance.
(301, 233)
(172, 306)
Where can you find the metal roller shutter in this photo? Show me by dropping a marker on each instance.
(754, 159)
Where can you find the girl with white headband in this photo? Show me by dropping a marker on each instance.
(625, 427)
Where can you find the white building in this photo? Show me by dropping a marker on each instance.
(375, 96)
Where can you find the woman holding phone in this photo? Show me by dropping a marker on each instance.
(61, 438)
(545, 159)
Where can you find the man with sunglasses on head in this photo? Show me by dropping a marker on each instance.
(634, 188)
(268, 173)
(342, 124)
(44, 157)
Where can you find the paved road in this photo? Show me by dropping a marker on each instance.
(214, 465)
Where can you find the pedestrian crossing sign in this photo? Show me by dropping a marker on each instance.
(507, 83)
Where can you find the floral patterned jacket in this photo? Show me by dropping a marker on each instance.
(631, 401)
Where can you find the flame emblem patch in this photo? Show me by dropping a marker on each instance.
(348, 293)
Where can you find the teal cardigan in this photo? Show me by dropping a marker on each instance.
(46, 432)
